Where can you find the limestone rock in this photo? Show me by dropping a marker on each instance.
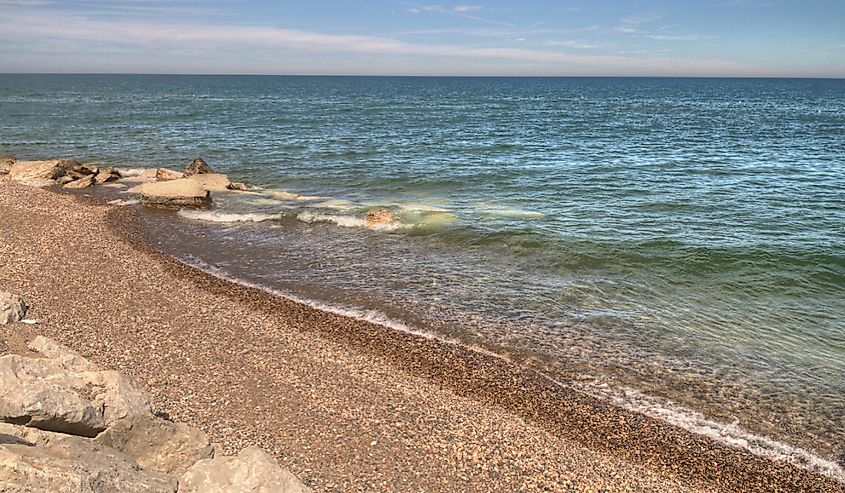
(6, 162)
(29, 171)
(84, 182)
(251, 471)
(168, 174)
(376, 217)
(108, 175)
(238, 185)
(75, 465)
(174, 194)
(64, 180)
(158, 445)
(75, 168)
(212, 181)
(12, 308)
(198, 167)
(65, 393)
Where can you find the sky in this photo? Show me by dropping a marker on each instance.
(757, 38)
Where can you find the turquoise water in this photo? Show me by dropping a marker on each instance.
(681, 237)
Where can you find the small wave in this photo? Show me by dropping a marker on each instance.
(337, 204)
(347, 221)
(416, 207)
(503, 211)
(227, 217)
(283, 195)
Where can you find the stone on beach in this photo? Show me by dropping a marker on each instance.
(252, 470)
(76, 169)
(158, 445)
(30, 172)
(212, 181)
(6, 162)
(198, 167)
(12, 308)
(84, 182)
(108, 175)
(64, 393)
(238, 186)
(377, 217)
(168, 174)
(174, 194)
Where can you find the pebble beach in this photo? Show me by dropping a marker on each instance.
(344, 404)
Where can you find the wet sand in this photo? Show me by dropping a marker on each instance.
(345, 404)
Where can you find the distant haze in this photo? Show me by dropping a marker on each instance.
(392, 37)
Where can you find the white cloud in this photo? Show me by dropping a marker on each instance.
(466, 8)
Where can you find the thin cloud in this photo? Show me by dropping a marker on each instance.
(466, 8)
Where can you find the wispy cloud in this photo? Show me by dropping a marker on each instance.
(457, 10)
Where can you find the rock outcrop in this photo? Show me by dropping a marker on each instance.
(12, 308)
(238, 186)
(51, 408)
(251, 470)
(108, 175)
(168, 174)
(174, 194)
(198, 167)
(376, 217)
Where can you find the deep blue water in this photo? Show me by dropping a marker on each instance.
(681, 237)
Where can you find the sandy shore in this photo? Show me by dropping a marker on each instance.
(344, 404)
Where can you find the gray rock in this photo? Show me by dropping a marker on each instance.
(64, 393)
(174, 194)
(158, 445)
(251, 471)
(75, 464)
(12, 308)
(198, 167)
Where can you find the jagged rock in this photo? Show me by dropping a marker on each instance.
(238, 185)
(30, 172)
(75, 464)
(65, 393)
(168, 174)
(158, 445)
(174, 194)
(84, 182)
(108, 175)
(376, 217)
(211, 181)
(12, 308)
(251, 471)
(77, 169)
(64, 180)
(198, 167)
(24, 435)
(6, 162)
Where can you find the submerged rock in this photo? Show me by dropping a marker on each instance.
(84, 182)
(174, 194)
(12, 308)
(250, 471)
(168, 174)
(198, 167)
(376, 217)
(238, 185)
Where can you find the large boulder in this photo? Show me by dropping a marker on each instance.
(65, 392)
(377, 217)
(6, 162)
(76, 169)
(83, 182)
(198, 167)
(251, 471)
(32, 171)
(12, 308)
(168, 174)
(75, 464)
(174, 194)
(158, 445)
(212, 181)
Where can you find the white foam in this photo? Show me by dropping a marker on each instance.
(348, 221)
(226, 217)
(505, 211)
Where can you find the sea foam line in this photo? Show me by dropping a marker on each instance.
(626, 398)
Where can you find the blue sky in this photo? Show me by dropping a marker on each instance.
(393, 37)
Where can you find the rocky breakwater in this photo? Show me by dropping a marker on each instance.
(67, 425)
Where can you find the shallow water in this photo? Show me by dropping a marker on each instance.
(681, 237)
